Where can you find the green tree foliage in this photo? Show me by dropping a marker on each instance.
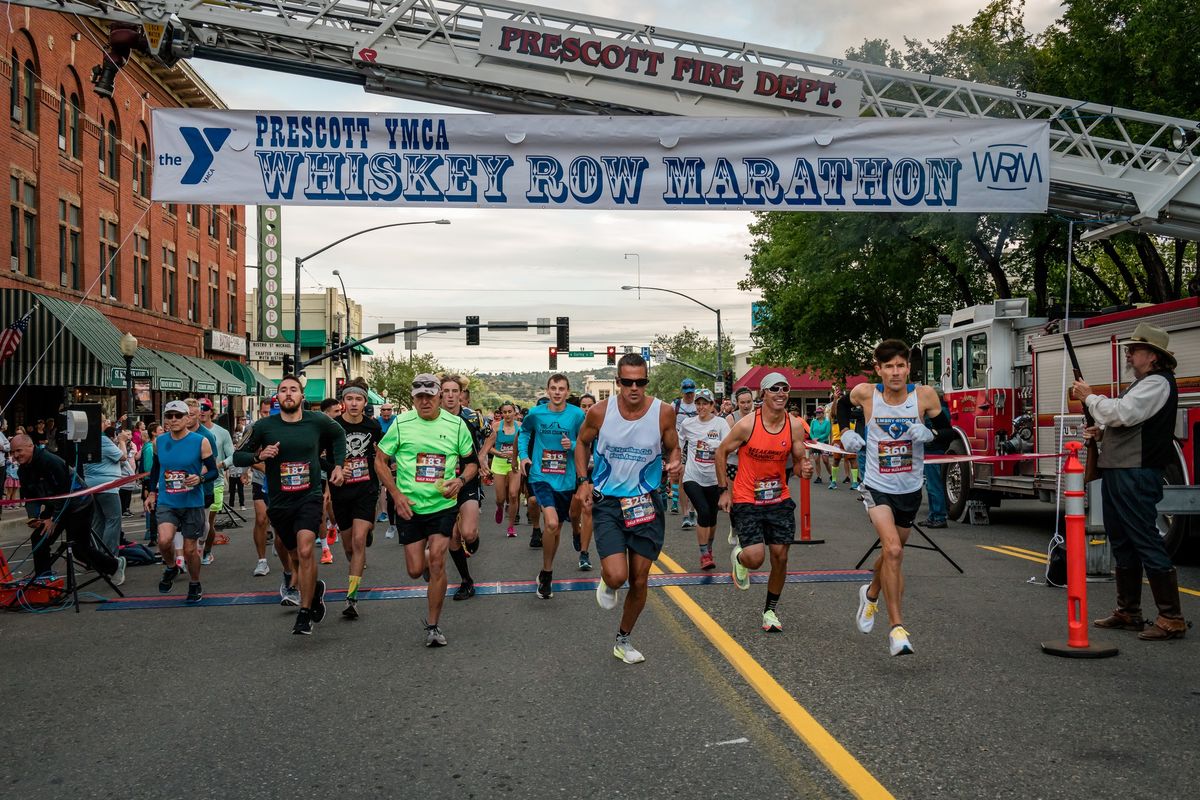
(690, 347)
(395, 375)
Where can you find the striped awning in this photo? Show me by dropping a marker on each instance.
(228, 383)
(256, 382)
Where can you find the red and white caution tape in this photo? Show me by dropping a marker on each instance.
(931, 458)
(104, 487)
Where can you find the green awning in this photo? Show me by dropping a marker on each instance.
(314, 390)
(363, 349)
(256, 382)
(308, 338)
(202, 382)
(227, 382)
(170, 378)
(373, 398)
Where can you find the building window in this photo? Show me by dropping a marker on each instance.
(110, 150)
(69, 267)
(110, 276)
(14, 88)
(231, 303)
(168, 282)
(214, 298)
(141, 172)
(141, 271)
(23, 216)
(193, 290)
(233, 239)
(70, 140)
(603, 395)
(214, 223)
(22, 94)
(192, 216)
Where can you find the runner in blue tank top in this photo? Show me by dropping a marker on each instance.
(636, 447)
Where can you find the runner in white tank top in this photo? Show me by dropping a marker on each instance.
(893, 476)
(636, 450)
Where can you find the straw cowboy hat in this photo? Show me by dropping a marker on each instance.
(1157, 340)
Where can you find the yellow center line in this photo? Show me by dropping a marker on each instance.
(1039, 553)
(839, 761)
(1008, 550)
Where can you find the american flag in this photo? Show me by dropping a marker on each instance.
(10, 337)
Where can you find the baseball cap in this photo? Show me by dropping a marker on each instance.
(688, 384)
(772, 379)
(206, 404)
(425, 383)
(177, 406)
(705, 394)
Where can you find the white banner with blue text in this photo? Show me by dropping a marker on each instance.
(653, 163)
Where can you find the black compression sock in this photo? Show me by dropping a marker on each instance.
(772, 601)
(460, 563)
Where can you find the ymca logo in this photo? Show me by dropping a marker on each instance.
(1008, 167)
(204, 144)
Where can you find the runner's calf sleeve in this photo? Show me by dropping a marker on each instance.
(460, 563)
(352, 592)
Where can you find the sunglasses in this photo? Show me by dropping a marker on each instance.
(627, 382)
(779, 387)
(173, 415)
(424, 385)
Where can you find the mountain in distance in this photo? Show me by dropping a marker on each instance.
(527, 387)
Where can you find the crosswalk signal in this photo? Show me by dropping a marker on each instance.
(553, 358)
(564, 333)
(472, 330)
(612, 355)
(289, 364)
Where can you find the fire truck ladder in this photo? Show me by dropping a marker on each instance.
(1114, 168)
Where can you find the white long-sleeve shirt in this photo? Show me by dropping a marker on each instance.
(1137, 405)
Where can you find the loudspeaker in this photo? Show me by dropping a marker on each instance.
(86, 451)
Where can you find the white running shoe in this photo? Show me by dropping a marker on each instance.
(606, 598)
(391, 532)
(118, 577)
(865, 618)
(206, 559)
(898, 642)
(261, 568)
(625, 650)
(733, 537)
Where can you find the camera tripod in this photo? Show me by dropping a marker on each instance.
(66, 550)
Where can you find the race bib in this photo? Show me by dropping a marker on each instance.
(768, 490)
(704, 452)
(506, 450)
(895, 456)
(293, 476)
(173, 481)
(431, 467)
(637, 510)
(356, 470)
(554, 462)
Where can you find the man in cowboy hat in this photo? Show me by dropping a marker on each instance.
(1138, 445)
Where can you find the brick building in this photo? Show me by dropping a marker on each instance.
(90, 249)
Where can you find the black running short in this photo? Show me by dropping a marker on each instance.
(257, 493)
(611, 535)
(770, 524)
(422, 526)
(304, 515)
(471, 491)
(704, 500)
(357, 503)
(904, 506)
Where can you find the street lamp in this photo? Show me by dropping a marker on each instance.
(716, 311)
(129, 348)
(300, 265)
(346, 299)
(639, 269)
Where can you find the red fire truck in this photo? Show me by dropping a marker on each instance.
(1004, 381)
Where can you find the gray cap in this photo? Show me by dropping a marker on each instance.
(773, 378)
(704, 394)
(425, 384)
(177, 406)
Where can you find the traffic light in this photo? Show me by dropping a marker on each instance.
(727, 383)
(335, 339)
(472, 330)
(612, 355)
(553, 358)
(340, 383)
(289, 364)
(564, 333)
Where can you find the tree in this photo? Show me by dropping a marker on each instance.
(396, 375)
(692, 348)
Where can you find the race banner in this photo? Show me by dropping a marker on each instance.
(651, 163)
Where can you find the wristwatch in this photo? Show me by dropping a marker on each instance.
(581, 481)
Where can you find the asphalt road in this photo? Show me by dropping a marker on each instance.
(527, 700)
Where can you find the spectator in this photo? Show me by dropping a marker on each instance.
(935, 485)
(106, 513)
(820, 430)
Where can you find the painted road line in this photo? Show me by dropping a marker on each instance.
(839, 761)
(1036, 553)
(1037, 560)
(482, 588)
(1019, 552)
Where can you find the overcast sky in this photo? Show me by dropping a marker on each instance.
(508, 265)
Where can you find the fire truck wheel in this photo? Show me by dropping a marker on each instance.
(957, 480)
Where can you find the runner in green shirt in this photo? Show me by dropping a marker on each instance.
(290, 445)
(427, 444)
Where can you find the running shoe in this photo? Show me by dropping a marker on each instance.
(733, 537)
(854, 487)
(817, 481)
(898, 643)
(465, 591)
(832, 485)
(499, 514)
(207, 559)
(687, 522)
(545, 585)
(771, 623)
(535, 541)
(221, 539)
(195, 593)
(290, 597)
(351, 609)
(865, 618)
(606, 598)
(262, 568)
(845, 480)
(168, 577)
(512, 532)
(332, 536)
(434, 636)
(706, 561)
(318, 602)
(382, 517)
(391, 532)
(674, 508)
(303, 626)
(585, 562)
(625, 651)
(118, 577)
(741, 574)
(326, 555)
